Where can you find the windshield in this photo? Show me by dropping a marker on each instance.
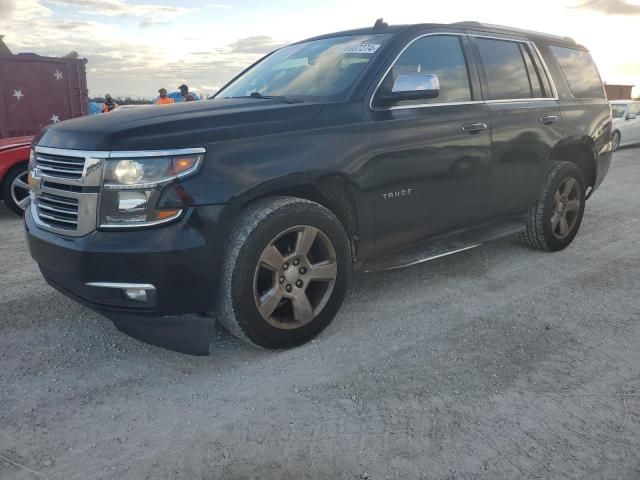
(618, 110)
(319, 70)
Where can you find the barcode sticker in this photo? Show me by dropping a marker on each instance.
(367, 48)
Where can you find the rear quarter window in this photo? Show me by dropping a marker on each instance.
(580, 71)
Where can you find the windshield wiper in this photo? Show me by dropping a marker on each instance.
(273, 97)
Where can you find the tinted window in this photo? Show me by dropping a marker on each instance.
(618, 110)
(441, 55)
(504, 70)
(580, 72)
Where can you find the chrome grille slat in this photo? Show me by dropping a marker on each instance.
(71, 202)
(60, 166)
(57, 219)
(44, 206)
(60, 162)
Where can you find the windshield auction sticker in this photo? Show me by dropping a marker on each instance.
(366, 48)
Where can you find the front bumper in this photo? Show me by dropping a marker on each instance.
(181, 260)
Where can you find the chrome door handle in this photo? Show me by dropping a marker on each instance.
(548, 120)
(474, 127)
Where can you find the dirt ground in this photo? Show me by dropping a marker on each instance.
(497, 363)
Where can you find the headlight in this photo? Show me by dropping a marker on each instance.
(132, 187)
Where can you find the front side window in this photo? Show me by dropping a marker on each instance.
(580, 71)
(504, 70)
(320, 70)
(618, 110)
(441, 55)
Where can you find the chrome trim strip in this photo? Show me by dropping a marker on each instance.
(71, 153)
(141, 225)
(423, 105)
(435, 257)
(156, 153)
(140, 286)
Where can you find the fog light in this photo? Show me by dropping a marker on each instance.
(136, 294)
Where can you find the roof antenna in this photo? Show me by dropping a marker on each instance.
(380, 24)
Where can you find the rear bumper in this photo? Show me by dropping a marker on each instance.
(603, 157)
(181, 261)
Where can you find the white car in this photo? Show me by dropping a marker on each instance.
(626, 123)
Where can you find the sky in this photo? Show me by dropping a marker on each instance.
(134, 47)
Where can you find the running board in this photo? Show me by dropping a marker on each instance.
(443, 246)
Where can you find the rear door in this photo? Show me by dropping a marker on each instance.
(525, 120)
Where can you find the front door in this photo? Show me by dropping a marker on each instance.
(431, 156)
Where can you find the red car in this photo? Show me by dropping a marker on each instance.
(14, 160)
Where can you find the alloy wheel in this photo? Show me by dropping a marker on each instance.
(566, 208)
(20, 190)
(616, 141)
(295, 276)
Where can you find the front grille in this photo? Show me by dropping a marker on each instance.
(58, 212)
(60, 166)
(65, 190)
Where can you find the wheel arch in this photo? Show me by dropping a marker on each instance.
(8, 172)
(579, 151)
(332, 191)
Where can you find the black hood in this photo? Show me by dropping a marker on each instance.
(188, 124)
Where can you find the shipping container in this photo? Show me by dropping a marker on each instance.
(36, 91)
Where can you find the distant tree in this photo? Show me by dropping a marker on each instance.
(124, 100)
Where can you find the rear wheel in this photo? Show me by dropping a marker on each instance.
(16, 189)
(554, 220)
(286, 273)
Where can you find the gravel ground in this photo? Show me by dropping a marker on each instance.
(497, 363)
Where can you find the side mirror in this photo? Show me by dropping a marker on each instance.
(415, 86)
(631, 116)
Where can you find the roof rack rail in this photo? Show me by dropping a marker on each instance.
(472, 24)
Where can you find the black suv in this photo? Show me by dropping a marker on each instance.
(369, 149)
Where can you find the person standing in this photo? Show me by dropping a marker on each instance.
(186, 96)
(109, 103)
(163, 99)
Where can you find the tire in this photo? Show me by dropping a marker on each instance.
(545, 229)
(14, 191)
(255, 279)
(615, 140)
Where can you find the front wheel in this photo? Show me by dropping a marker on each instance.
(16, 189)
(554, 220)
(615, 140)
(287, 270)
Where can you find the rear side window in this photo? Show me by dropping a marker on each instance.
(635, 109)
(580, 71)
(441, 55)
(505, 71)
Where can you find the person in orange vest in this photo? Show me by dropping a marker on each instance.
(163, 99)
(109, 104)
